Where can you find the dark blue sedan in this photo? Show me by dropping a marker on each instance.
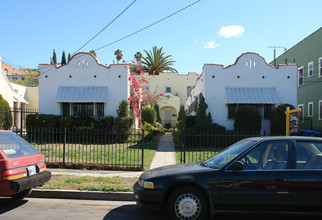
(264, 174)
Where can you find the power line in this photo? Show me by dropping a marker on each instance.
(146, 27)
(21, 67)
(105, 27)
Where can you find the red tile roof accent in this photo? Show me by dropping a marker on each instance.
(12, 70)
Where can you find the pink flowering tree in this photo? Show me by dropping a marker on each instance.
(140, 96)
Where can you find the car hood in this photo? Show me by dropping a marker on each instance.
(174, 170)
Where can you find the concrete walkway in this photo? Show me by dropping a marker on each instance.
(164, 155)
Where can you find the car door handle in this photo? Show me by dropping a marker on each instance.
(280, 180)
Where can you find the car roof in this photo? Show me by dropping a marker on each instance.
(271, 138)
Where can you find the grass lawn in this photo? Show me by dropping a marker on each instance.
(192, 154)
(118, 154)
(89, 183)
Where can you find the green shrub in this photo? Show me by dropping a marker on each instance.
(189, 121)
(123, 125)
(42, 120)
(167, 125)
(148, 115)
(178, 124)
(148, 127)
(84, 123)
(247, 119)
(157, 111)
(65, 122)
(278, 119)
(5, 114)
(123, 109)
(107, 123)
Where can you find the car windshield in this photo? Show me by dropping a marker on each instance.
(14, 146)
(219, 160)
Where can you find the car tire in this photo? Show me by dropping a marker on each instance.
(22, 194)
(187, 203)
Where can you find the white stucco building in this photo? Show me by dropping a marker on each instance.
(82, 87)
(19, 98)
(175, 89)
(249, 81)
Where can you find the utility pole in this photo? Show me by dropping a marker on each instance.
(275, 52)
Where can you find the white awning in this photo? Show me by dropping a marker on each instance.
(20, 99)
(82, 94)
(251, 96)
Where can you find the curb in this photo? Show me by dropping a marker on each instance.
(86, 195)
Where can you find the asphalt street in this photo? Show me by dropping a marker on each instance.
(53, 209)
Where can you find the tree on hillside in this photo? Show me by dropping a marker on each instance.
(138, 57)
(156, 61)
(118, 54)
(30, 80)
(68, 57)
(63, 59)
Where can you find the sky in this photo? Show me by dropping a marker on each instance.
(208, 31)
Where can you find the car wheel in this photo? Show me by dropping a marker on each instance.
(187, 203)
(22, 194)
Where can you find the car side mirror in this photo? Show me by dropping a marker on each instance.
(238, 165)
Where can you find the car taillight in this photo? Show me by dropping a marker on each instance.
(42, 167)
(14, 174)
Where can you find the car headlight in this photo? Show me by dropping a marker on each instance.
(146, 184)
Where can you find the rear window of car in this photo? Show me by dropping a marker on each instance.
(14, 146)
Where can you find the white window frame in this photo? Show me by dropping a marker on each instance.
(298, 76)
(320, 67)
(308, 109)
(308, 69)
(320, 110)
(301, 106)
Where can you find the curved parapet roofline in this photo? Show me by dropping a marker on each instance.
(253, 53)
(80, 54)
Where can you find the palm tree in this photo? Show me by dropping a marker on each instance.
(156, 62)
(138, 57)
(118, 54)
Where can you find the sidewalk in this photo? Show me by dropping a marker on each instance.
(164, 155)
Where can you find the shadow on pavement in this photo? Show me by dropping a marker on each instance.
(8, 204)
(134, 212)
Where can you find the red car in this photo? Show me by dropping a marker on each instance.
(22, 167)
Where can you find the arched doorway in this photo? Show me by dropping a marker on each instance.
(168, 114)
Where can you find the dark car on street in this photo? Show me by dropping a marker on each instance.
(280, 175)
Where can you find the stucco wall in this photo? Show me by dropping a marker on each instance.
(5, 88)
(82, 70)
(215, 79)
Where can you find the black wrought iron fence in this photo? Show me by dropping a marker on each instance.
(197, 145)
(62, 146)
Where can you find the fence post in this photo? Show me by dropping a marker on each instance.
(21, 122)
(7, 119)
(142, 149)
(183, 135)
(64, 145)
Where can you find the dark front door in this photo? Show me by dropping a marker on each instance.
(264, 181)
